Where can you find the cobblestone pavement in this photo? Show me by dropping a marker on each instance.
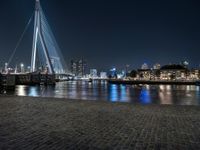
(42, 123)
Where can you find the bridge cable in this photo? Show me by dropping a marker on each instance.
(19, 41)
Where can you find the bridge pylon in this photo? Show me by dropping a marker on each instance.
(39, 37)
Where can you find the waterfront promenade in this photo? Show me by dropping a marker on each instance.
(48, 123)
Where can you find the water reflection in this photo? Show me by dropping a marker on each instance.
(165, 95)
(113, 92)
(145, 96)
(123, 93)
(33, 91)
(21, 91)
(101, 90)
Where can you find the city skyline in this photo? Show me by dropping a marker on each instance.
(109, 33)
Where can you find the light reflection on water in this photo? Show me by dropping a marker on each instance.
(101, 90)
(145, 97)
(113, 93)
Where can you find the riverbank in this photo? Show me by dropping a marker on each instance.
(119, 81)
(48, 123)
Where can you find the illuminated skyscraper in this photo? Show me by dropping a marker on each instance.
(78, 68)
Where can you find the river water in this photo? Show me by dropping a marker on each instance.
(102, 91)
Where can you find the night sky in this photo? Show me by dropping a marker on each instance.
(108, 33)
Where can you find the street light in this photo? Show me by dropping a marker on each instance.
(22, 67)
(29, 69)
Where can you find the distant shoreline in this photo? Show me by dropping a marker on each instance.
(119, 81)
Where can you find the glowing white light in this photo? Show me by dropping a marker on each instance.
(21, 91)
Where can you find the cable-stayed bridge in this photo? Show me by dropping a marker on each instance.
(45, 46)
(46, 53)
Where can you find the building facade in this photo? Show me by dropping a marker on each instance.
(78, 67)
(93, 73)
(103, 75)
(173, 72)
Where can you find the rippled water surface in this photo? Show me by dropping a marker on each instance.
(102, 91)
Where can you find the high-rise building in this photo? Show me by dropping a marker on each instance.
(81, 67)
(73, 67)
(78, 68)
(93, 73)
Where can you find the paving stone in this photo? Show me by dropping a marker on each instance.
(59, 124)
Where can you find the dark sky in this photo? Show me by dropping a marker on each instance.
(109, 32)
